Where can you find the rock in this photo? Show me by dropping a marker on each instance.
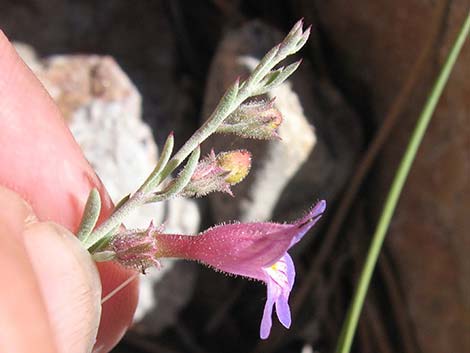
(103, 110)
(163, 294)
(139, 37)
(377, 43)
(95, 95)
(317, 151)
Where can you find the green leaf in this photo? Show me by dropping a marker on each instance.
(90, 215)
(154, 178)
(291, 44)
(228, 99)
(179, 183)
(278, 77)
(264, 66)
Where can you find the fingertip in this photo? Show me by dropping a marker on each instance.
(16, 212)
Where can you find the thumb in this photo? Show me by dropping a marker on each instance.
(52, 285)
(69, 282)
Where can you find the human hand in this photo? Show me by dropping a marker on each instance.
(47, 300)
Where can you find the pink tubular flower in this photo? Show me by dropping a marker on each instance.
(255, 250)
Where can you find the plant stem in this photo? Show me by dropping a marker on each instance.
(115, 219)
(350, 324)
(233, 97)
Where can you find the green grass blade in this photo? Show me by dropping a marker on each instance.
(350, 324)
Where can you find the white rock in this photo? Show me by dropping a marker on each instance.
(321, 137)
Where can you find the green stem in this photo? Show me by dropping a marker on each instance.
(350, 324)
(115, 219)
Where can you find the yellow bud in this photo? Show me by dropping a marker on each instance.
(237, 163)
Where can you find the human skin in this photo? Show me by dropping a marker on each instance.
(42, 164)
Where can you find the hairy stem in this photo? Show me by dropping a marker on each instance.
(234, 96)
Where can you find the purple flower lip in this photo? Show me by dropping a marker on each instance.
(280, 277)
(255, 250)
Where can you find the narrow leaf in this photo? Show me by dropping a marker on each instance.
(289, 45)
(229, 98)
(178, 184)
(266, 64)
(90, 215)
(153, 178)
(303, 39)
(283, 75)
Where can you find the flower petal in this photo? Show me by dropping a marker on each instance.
(282, 303)
(266, 321)
(290, 270)
(279, 279)
(283, 311)
(308, 221)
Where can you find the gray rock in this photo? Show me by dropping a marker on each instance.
(103, 110)
(140, 37)
(163, 294)
(318, 147)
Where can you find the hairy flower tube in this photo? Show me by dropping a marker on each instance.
(255, 250)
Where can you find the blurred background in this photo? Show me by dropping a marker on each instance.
(126, 73)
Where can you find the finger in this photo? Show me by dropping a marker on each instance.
(41, 161)
(39, 158)
(69, 282)
(24, 322)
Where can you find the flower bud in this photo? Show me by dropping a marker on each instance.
(137, 249)
(236, 163)
(218, 173)
(257, 120)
